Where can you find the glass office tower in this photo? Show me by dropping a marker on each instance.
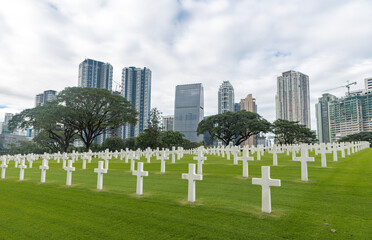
(189, 110)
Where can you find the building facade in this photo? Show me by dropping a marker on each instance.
(293, 98)
(226, 99)
(322, 117)
(167, 122)
(189, 110)
(95, 74)
(349, 115)
(368, 84)
(136, 88)
(46, 96)
(249, 104)
(236, 107)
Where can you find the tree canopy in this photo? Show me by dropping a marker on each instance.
(86, 112)
(93, 110)
(290, 132)
(233, 127)
(363, 136)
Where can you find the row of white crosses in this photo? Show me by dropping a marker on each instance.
(266, 182)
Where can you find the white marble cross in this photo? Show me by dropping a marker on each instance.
(192, 177)
(3, 168)
(162, 158)
(245, 158)
(200, 158)
(140, 174)
(22, 167)
(323, 151)
(69, 170)
(304, 159)
(132, 161)
(266, 182)
(100, 171)
(44, 166)
(334, 150)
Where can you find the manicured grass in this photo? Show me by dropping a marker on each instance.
(227, 206)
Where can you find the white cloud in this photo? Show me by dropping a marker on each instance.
(248, 43)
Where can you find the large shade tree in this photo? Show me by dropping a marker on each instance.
(91, 111)
(51, 121)
(233, 127)
(291, 132)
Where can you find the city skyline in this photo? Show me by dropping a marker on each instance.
(189, 42)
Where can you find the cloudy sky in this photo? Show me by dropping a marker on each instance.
(248, 42)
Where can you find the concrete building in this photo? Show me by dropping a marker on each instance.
(236, 107)
(226, 98)
(322, 117)
(189, 110)
(46, 96)
(249, 104)
(368, 84)
(136, 89)
(167, 122)
(293, 98)
(95, 74)
(350, 115)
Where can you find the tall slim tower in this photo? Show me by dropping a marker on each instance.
(249, 104)
(322, 117)
(136, 88)
(189, 110)
(293, 98)
(226, 97)
(95, 74)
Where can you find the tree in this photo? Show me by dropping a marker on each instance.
(290, 132)
(52, 120)
(92, 110)
(233, 126)
(150, 137)
(362, 136)
(172, 138)
(114, 143)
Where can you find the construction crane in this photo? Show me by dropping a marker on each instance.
(347, 86)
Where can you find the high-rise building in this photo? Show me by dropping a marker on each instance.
(47, 96)
(167, 122)
(322, 117)
(349, 115)
(293, 98)
(226, 97)
(39, 100)
(95, 74)
(249, 104)
(136, 89)
(236, 107)
(368, 84)
(189, 110)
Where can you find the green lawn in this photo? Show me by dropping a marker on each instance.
(227, 206)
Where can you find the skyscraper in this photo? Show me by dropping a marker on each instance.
(368, 84)
(249, 104)
(349, 115)
(226, 97)
(95, 74)
(168, 122)
(322, 117)
(136, 83)
(293, 98)
(46, 96)
(189, 110)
